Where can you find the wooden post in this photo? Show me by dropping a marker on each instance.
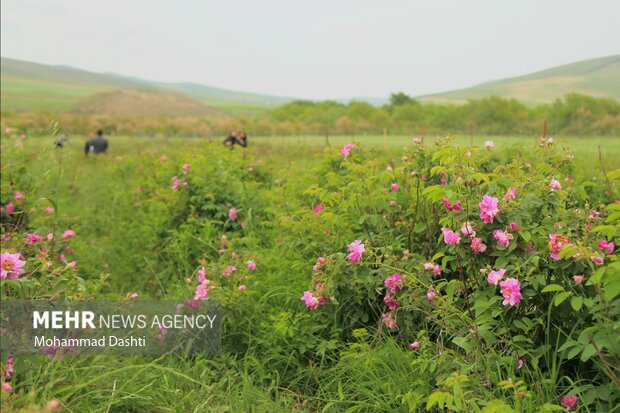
(385, 139)
(471, 133)
(544, 135)
(422, 130)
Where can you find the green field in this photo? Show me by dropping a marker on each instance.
(21, 93)
(586, 149)
(136, 233)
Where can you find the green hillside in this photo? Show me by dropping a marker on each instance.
(595, 77)
(32, 86)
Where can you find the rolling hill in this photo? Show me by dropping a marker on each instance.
(596, 77)
(144, 102)
(30, 86)
(33, 86)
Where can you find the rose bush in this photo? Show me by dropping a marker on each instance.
(436, 278)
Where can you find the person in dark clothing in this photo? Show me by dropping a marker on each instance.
(231, 139)
(242, 139)
(96, 145)
(235, 138)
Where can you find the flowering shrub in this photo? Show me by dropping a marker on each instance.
(451, 278)
(533, 278)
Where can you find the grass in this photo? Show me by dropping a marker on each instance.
(97, 197)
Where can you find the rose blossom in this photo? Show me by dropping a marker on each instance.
(488, 209)
(9, 368)
(606, 246)
(578, 279)
(251, 265)
(502, 237)
(318, 209)
(477, 246)
(229, 270)
(597, 260)
(389, 321)
(431, 294)
(391, 303)
(11, 265)
(555, 185)
(232, 214)
(569, 402)
(356, 249)
(68, 234)
(346, 149)
(511, 193)
(394, 283)
(556, 243)
(468, 229)
(450, 237)
(511, 290)
(495, 277)
(452, 207)
(32, 239)
(415, 345)
(175, 183)
(310, 300)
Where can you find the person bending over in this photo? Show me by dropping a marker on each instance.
(231, 139)
(242, 139)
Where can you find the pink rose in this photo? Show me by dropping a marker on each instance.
(356, 250)
(495, 277)
(488, 209)
(232, 214)
(511, 290)
(450, 237)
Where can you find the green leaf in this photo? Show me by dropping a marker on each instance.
(438, 255)
(559, 299)
(419, 227)
(497, 406)
(463, 343)
(576, 302)
(552, 288)
(587, 353)
(596, 277)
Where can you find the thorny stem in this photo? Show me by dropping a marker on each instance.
(602, 359)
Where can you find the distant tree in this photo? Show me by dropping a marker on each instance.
(400, 98)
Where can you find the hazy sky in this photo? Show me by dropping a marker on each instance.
(312, 49)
